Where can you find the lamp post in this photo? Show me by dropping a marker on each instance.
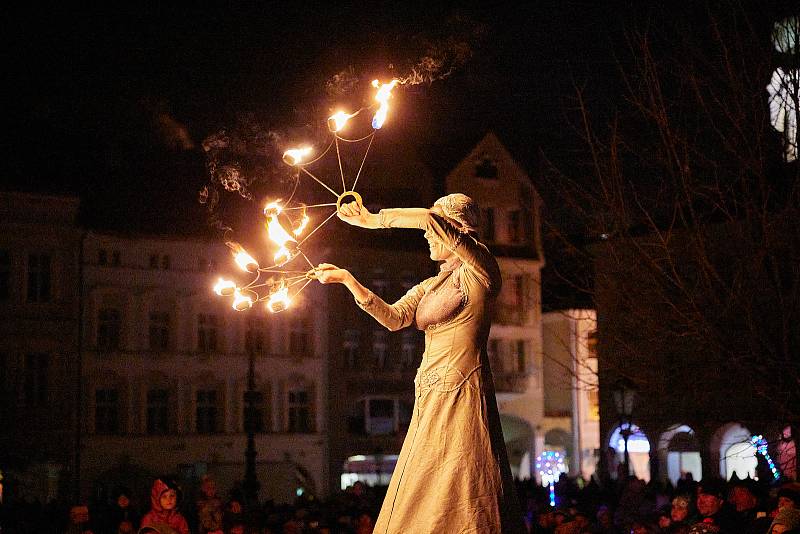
(250, 485)
(624, 398)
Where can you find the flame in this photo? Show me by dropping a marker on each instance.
(224, 288)
(244, 260)
(338, 120)
(295, 156)
(241, 302)
(382, 97)
(302, 226)
(279, 300)
(278, 233)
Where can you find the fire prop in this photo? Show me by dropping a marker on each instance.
(287, 222)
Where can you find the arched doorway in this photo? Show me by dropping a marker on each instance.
(638, 451)
(518, 437)
(736, 453)
(679, 451)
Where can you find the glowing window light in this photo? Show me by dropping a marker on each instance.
(784, 35)
(783, 88)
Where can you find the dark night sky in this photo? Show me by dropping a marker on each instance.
(91, 94)
(88, 88)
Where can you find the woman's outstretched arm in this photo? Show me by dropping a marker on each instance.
(392, 316)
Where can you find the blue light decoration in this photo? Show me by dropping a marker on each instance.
(550, 465)
(761, 446)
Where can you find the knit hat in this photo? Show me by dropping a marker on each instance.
(713, 486)
(461, 209)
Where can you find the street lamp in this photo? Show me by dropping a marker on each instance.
(624, 393)
(251, 484)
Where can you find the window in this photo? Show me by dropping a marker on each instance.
(255, 336)
(594, 404)
(36, 372)
(350, 346)
(784, 89)
(516, 226)
(381, 419)
(5, 275)
(495, 359)
(102, 256)
(116, 258)
(38, 278)
(256, 416)
(159, 331)
(154, 261)
(486, 168)
(487, 224)
(206, 411)
(299, 342)
(408, 347)
(106, 411)
(165, 262)
(158, 411)
(380, 347)
(299, 411)
(207, 327)
(108, 329)
(522, 359)
(591, 345)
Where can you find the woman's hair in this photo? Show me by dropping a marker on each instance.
(461, 209)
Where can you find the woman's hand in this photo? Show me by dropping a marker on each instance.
(328, 273)
(357, 215)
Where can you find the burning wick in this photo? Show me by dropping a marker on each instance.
(295, 156)
(241, 302)
(279, 299)
(382, 97)
(278, 234)
(224, 288)
(338, 120)
(244, 260)
(302, 226)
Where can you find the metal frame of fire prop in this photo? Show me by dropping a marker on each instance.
(287, 221)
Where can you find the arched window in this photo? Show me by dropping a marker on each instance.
(638, 450)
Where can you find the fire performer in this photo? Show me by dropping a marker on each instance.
(452, 474)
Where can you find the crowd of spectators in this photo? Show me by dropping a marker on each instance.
(628, 506)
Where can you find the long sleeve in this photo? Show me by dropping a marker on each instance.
(394, 316)
(473, 254)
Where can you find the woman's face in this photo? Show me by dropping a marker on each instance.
(438, 251)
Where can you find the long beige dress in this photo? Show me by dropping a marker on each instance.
(452, 475)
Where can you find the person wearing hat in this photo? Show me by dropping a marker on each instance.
(164, 514)
(456, 422)
(744, 497)
(789, 496)
(787, 521)
(712, 509)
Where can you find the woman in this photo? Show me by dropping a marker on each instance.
(452, 474)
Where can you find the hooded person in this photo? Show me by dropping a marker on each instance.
(786, 521)
(163, 512)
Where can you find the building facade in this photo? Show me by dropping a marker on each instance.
(166, 371)
(571, 424)
(39, 306)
